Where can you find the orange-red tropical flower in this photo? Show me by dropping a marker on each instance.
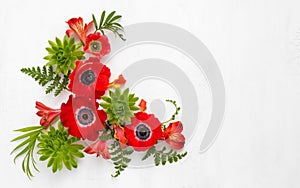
(48, 114)
(100, 148)
(120, 135)
(79, 28)
(173, 135)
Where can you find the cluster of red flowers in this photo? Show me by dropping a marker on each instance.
(81, 114)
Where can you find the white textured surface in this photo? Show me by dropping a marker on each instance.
(255, 45)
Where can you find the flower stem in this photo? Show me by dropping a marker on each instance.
(173, 116)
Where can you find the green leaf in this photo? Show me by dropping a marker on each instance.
(95, 22)
(26, 129)
(109, 17)
(105, 105)
(116, 18)
(106, 99)
(52, 44)
(109, 23)
(105, 137)
(30, 135)
(134, 108)
(20, 145)
(50, 50)
(58, 42)
(102, 19)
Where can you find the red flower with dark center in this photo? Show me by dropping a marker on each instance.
(97, 45)
(80, 29)
(143, 132)
(48, 114)
(81, 117)
(90, 78)
(173, 135)
(100, 148)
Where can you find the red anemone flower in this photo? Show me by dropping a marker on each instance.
(173, 135)
(143, 132)
(48, 114)
(81, 117)
(100, 148)
(90, 78)
(76, 25)
(97, 45)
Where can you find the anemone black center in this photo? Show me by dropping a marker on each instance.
(85, 116)
(96, 46)
(142, 132)
(88, 77)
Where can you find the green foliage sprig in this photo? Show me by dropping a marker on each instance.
(46, 75)
(30, 137)
(62, 54)
(119, 106)
(119, 158)
(177, 109)
(59, 149)
(109, 23)
(162, 156)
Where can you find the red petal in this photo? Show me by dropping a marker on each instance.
(175, 127)
(89, 150)
(120, 135)
(41, 106)
(69, 32)
(104, 150)
(176, 141)
(100, 148)
(120, 80)
(40, 113)
(88, 26)
(143, 105)
(142, 116)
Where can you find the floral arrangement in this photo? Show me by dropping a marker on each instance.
(100, 117)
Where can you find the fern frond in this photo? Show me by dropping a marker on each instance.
(119, 158)
(46, 75)
(161, 156)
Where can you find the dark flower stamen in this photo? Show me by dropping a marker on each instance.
(142, 132)
(85, 116)
(88, 77)
(95, 46)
